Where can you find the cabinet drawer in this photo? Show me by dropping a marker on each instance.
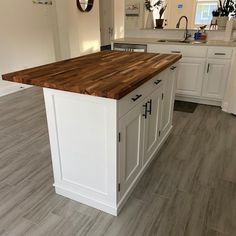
(186, 51)
(220, 53)
(138, 95)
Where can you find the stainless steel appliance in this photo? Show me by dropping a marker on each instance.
(130, 47)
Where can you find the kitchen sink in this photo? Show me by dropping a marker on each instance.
(180, 41)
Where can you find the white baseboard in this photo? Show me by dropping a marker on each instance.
(84, 200)
(199, 100)
(225, 106)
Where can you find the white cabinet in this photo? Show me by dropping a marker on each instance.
(152, 122)
(203, 71)
(98, 160)
(216, 77)
(169, 88)
(190, 76)
(130, 146)
(139, 137)
(145, 127)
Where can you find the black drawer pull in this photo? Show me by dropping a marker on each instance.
(173, 67)
(175, 51)
(220, 54)
(208, 68)
(145, 110)
(150, 107)
(157, 82)
(136, 98)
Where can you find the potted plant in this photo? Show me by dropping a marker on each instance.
(159, 22)
(225, 9)
(215, 16)
(150, 8)
(149, 24)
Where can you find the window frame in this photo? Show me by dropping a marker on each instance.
(195, 10)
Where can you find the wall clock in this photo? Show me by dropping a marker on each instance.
(85, 5)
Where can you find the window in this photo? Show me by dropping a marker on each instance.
(204, 10)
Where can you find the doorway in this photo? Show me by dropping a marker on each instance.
(106, 23)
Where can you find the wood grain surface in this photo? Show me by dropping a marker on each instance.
(109, 74)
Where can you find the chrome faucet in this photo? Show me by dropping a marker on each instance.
(186, 34)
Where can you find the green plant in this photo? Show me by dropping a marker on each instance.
(216, 13)
(162, 10)
(227, 7)
(150, 7)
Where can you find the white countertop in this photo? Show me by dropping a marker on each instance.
(156, 41)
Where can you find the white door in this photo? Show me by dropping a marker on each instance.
(106, 21)
(169, 86)
(216, 77)
(130, 147)
(152, 123)
(190, 76)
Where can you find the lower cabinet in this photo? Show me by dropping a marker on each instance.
(143, 129)
(216, 77)
(169, 88)
(203, 71)
(190, 76)
(130, 146)
(152, 123)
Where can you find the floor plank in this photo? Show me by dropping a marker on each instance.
(189, 190)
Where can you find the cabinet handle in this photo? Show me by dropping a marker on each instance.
(150, 107)
(145, 110)
(136, 98)
(173, 67)
(220, 54)
(157, 82)
(175, 51)
(208, 67)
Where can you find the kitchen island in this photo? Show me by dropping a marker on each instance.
(108, 115)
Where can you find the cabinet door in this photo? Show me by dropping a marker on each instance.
(216, 77)
(130, 147)
(190, 76)
(169, 87)
(152, 124)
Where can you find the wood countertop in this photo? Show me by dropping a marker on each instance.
(109, 74)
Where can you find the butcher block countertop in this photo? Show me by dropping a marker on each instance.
(109, 74)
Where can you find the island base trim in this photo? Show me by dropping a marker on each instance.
(84, 200)
(142, 172)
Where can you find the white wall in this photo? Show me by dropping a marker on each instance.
(26, 38)
(34, 34)
(79, 32)
(26, 35)
(135, 26)
(119, 19)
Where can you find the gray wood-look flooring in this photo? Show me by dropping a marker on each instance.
(189, 190)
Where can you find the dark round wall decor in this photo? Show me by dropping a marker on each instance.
(85, 5)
